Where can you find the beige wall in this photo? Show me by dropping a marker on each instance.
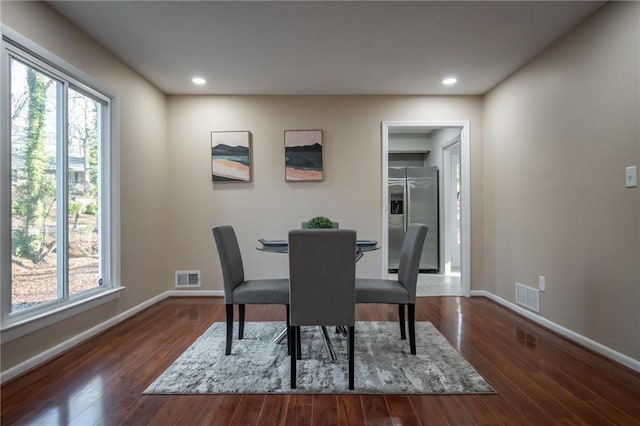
(548, 151)
(169, 203)
(143, 163)
(558, 135)
(268, 207)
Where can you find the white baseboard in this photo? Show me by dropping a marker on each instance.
(194, 293)
(51, 353)
(565, 332)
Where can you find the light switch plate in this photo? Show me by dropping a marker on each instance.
(631, 176)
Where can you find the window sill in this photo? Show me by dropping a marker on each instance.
(25, 326)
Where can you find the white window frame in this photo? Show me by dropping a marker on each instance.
(17, 324)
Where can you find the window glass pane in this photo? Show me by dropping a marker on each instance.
(34, 136)
(83, 154)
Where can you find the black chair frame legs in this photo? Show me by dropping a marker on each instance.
(241, 322)
(290, 341)
(412, 328)
(351, 356)
(229, 309)
(241, 314)
(293, 344)
(294, 338)
(411, 307)
(403, 334)
(288, 325)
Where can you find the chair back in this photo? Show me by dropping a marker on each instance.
(410, 257)
(230, 259)
(335, 225)
(322, 275)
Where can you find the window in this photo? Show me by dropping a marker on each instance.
(58, 201)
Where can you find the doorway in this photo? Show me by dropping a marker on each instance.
(444, 146)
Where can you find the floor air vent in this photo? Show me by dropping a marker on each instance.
(528, 297)
(187, 278)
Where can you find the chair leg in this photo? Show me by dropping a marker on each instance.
(241, 322)
(288, 325)
(229, 308)
(351, 356)
(298, 343)
(403, 334)
(292, 339)
(412, 328)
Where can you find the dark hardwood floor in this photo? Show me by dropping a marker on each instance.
(540, 377)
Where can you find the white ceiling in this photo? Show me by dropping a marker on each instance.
(334, 47)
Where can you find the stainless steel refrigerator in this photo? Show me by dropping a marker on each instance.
(413, 198)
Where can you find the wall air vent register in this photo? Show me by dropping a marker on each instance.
(187, 278)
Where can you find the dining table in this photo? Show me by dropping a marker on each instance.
(282, 247)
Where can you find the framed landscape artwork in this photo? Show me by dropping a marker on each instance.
(303, 155)
(231, 157)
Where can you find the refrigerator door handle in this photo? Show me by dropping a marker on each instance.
(406, 194)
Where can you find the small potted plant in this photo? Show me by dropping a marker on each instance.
(319, 222)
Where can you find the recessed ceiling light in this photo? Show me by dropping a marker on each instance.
(198, 80)
(449, 81)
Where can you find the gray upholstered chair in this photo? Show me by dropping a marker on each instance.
(237, 290)
(403, 290)
(322, 273)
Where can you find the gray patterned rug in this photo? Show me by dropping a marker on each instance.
(382, 363)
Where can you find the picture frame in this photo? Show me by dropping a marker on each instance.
(231, 156)
(303, 156)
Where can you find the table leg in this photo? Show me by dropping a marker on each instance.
(327, 343)
(325, 338)
(280, 337)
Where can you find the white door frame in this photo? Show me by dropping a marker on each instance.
(448, 173)
(465, 193)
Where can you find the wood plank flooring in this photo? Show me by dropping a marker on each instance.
(540, 377)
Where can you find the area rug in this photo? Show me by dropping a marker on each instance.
(383, 363)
